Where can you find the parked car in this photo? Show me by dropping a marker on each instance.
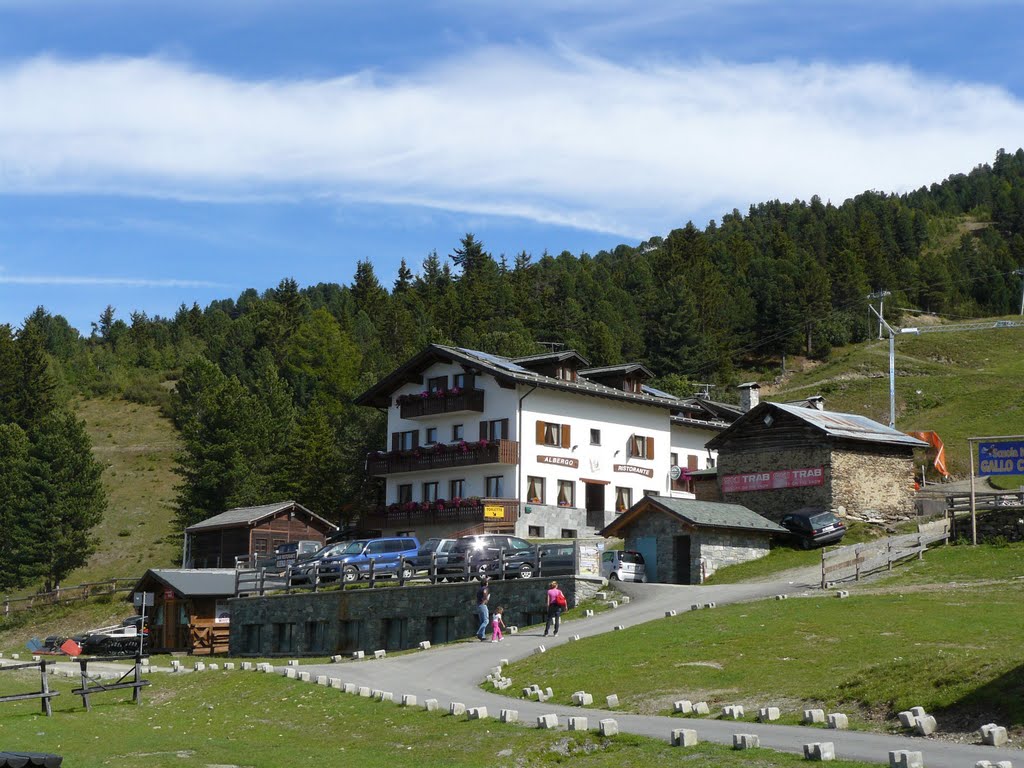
(623, 565)
(814, 527)
(388, 556)
(303, 568)
(433, 549)
(292, 551)
(556, 559)
(483, 554)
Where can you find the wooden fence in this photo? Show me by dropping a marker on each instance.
(44, 694)
(208, 637)
(961, 502)
(63, 595)
(854, 561)
(91, 687)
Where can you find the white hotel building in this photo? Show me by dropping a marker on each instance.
(541, 446)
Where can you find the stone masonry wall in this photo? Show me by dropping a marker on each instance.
(872, 486)
(996, 524)
(721, 548)
(774, 503)
(392, 618)
(663, 528)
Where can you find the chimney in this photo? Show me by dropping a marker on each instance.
(750, 395)
(817, 402)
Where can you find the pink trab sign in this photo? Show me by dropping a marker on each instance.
(779, 478)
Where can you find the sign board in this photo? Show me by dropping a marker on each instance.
(1002, 458)
(168, 594)
(140, 599)
(494, 511)
(773, 480)
(561, 461)
(589, 559)
(632, 469)
(675, 472)
(222, 612)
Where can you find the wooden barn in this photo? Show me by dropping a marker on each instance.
(190, 609)
(251, 532)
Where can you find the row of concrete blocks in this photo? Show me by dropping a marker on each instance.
(989, 764)
(698, 606)
(202, 666)
(496, 678)
(836, 720)
(916, 718)
(993, 735)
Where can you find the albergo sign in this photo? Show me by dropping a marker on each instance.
(767, 481)
(561, 461)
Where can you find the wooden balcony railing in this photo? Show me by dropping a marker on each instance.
(461, 515)
(443, 456)
(435, 404)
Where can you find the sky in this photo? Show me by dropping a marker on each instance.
(154, 154)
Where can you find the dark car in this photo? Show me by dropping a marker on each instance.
(387, 556)
(556, 559)
(304, 568)
(434, 550)
(814, 527)
(484, 554)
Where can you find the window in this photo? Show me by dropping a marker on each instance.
(711, 463)
(651, 493)
(405, 493)
(595, 437)
(405, 441)
(555, 435)
(456, 488)
(316, 635)
(431, 435)
(535, 531)
(284, 638)
(566, 493)
(459, 380)
(566, 373)
(260, 545)
(494, 486)
(623, 499)
(457, 432)
(641, 447)
(252, 637)
(535, 490)
(494, 430)
(569, 533)
(437, 384)
(430, 491)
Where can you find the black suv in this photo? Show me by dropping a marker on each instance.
(484, 553)
(814, 527)
(433, 550)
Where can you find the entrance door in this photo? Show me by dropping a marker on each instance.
(595, 504)
(648, 547)
(682, 558)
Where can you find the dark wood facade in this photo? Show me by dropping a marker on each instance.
(179, 608)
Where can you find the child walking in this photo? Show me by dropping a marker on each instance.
(497, 623)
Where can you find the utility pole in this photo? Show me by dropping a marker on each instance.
(892, 363)
(880, 295)
(1020, 272)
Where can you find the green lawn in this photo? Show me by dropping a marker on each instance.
(956, 649)
(266, 721)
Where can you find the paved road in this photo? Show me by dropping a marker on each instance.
(454, 673)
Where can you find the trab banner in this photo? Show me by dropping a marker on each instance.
(1001, 458)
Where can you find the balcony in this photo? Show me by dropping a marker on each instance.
(439, 403)
(463, 514)
(443, 456)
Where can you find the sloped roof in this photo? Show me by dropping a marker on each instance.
(250, 516)
(504, 370)
(842, 426)
(193, 582)
(622, 368)
(702, 514)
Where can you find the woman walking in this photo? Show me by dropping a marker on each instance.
(556, 604)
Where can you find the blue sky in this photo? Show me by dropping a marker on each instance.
(159, 153)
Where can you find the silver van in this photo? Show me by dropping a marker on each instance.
(623, 565)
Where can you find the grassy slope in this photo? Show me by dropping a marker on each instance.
(266, 721)
(136, 446)
(928, 637)
(958, 384)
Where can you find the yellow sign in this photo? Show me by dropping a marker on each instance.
(494, 511)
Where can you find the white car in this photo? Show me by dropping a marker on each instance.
(623, 565)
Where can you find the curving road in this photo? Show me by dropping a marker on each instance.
(455, 672)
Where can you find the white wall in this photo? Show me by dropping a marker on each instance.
(689, 441)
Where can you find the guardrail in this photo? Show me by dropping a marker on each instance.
(44, 693)
(859, 560)
(251, 582)
(73, 594)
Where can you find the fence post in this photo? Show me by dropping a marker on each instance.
(262, 582)
(316, 576)
(856, 563)
(401, 572)
(920, 548)
(823, 568)
(432, 572)
(373, 575)
(888, 555)
(137, 690)
(82, 663)
(45, 688)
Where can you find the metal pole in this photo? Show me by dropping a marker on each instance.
(974, 529)
(892, 379)
(1020, 272)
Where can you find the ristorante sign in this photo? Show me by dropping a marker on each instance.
(561, 461)
(774, 480)
(632, 469)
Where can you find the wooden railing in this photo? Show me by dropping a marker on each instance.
(843, 563)
(437, 404)
(207, 637)
(63, 595)
(91, 687)
(44, 693)
(468, 515)
(443, 456)
(961, 502)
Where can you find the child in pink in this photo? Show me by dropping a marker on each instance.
(496, 625)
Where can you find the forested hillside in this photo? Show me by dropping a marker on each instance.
(260, 385)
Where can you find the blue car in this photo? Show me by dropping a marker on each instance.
(388, 556)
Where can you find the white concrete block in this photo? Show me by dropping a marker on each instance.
(906, 718)
(335, 682)
(337, 658)
(513, 630)
(905, 758)
(540, 649)
(291, 673)
(293, 662)
(358, 655)
(547, 722)
(430, 705)
(625, 599)
(456, 708)
(838, 721)
(509, 716)
(782, 597)
(733, 712)
(683, 706)
(229, 666)
(695, 607)
(380, 654)
(582, 699)
(477, 713)
(305, 677)
(709, 605)
(573, 638)
(768, 714)
(812, 716)
(408, 700)
(214, 668)
(684, 737)
(820, 751)
(619, 627)
(613, 604)
(199, 666)
(669, 614)
(993, 735)
(608, 727)
(701, 708)
(364, 691)
(925, 726)
(611, 700)
(577, 723)
(321, 679)
(424, 645)
(588, 614)
(842, 594)
(351, 688)
(745, 741)
(918, 711)
(375, 693)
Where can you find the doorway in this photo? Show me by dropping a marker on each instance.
(595, 504)
(682, 559)
(648, 547)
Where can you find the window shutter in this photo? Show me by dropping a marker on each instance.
(650, 447)
(484, 434)
(540, 433)
(566, 436)
(691, 462)
(396, 441)
(504, 428)
(416, 439)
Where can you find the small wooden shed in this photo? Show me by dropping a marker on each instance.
(189, 607)
(684, 541)
(251, 532)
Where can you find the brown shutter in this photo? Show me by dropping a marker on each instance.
(416, 438)
(396, 441)
(504, 428)
(650, 447)
(484, 433)
(566, 436)
(691, 462)
(540, 433)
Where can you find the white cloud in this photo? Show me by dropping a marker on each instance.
(114, 282)
(559, 138)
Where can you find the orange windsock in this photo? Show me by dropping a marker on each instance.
(933, 439)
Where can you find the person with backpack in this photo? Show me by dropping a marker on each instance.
(556, 604)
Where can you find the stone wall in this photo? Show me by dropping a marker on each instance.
(392, 618)
(774, 503)
(873, 485)
(552, 520)
(1005, 524)
(719, 548)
